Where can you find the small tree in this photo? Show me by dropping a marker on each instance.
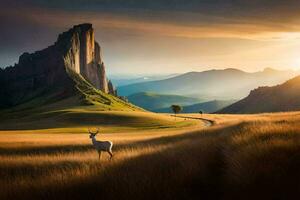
(201, 112)
(176, 109)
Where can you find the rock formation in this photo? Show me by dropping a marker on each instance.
(48, 72)
(84, 55)
(111, 89)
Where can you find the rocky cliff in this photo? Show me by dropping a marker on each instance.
(50, 72)
(83, 55)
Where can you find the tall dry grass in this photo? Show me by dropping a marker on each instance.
(241, 157)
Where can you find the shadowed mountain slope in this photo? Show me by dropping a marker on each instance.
(280, 98)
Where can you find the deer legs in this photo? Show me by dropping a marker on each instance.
(111, 155)
(99, 152)
(109, 152)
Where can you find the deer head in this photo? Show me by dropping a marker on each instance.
(93, 134)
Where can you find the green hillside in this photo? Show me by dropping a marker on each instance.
(153, 101)
(83, 94)
(89, 95)
(87, 107)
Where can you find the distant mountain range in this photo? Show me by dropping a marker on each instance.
(153, 101)
(121, 80)
(213, 84)
(205, 107)
(280, 98)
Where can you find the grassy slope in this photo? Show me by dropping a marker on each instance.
(153, 101)
(87, 107)
(84, 94)
(91, 96)
(78, 119)
(241, 157)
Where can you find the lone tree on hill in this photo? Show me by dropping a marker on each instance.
(176, 109)
(201, 112)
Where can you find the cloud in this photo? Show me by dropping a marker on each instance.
(165, 23)
(29, 25)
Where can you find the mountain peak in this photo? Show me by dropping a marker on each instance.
(269, 70)
(84, 26)
(232, 70)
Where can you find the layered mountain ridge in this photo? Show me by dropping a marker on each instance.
(72, 66)
(212, 84)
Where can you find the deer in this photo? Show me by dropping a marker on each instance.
(100, 146)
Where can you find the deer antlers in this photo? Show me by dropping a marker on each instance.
(95, 133)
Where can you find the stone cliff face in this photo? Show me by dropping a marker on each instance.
(84, 55)
(46, 72)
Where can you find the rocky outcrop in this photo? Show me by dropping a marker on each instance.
(111, 89)
(46, 73)
(84, 55)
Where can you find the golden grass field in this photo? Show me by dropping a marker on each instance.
(155, 157)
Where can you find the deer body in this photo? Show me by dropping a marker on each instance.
(100, 146)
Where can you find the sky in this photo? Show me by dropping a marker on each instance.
(161, 37)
